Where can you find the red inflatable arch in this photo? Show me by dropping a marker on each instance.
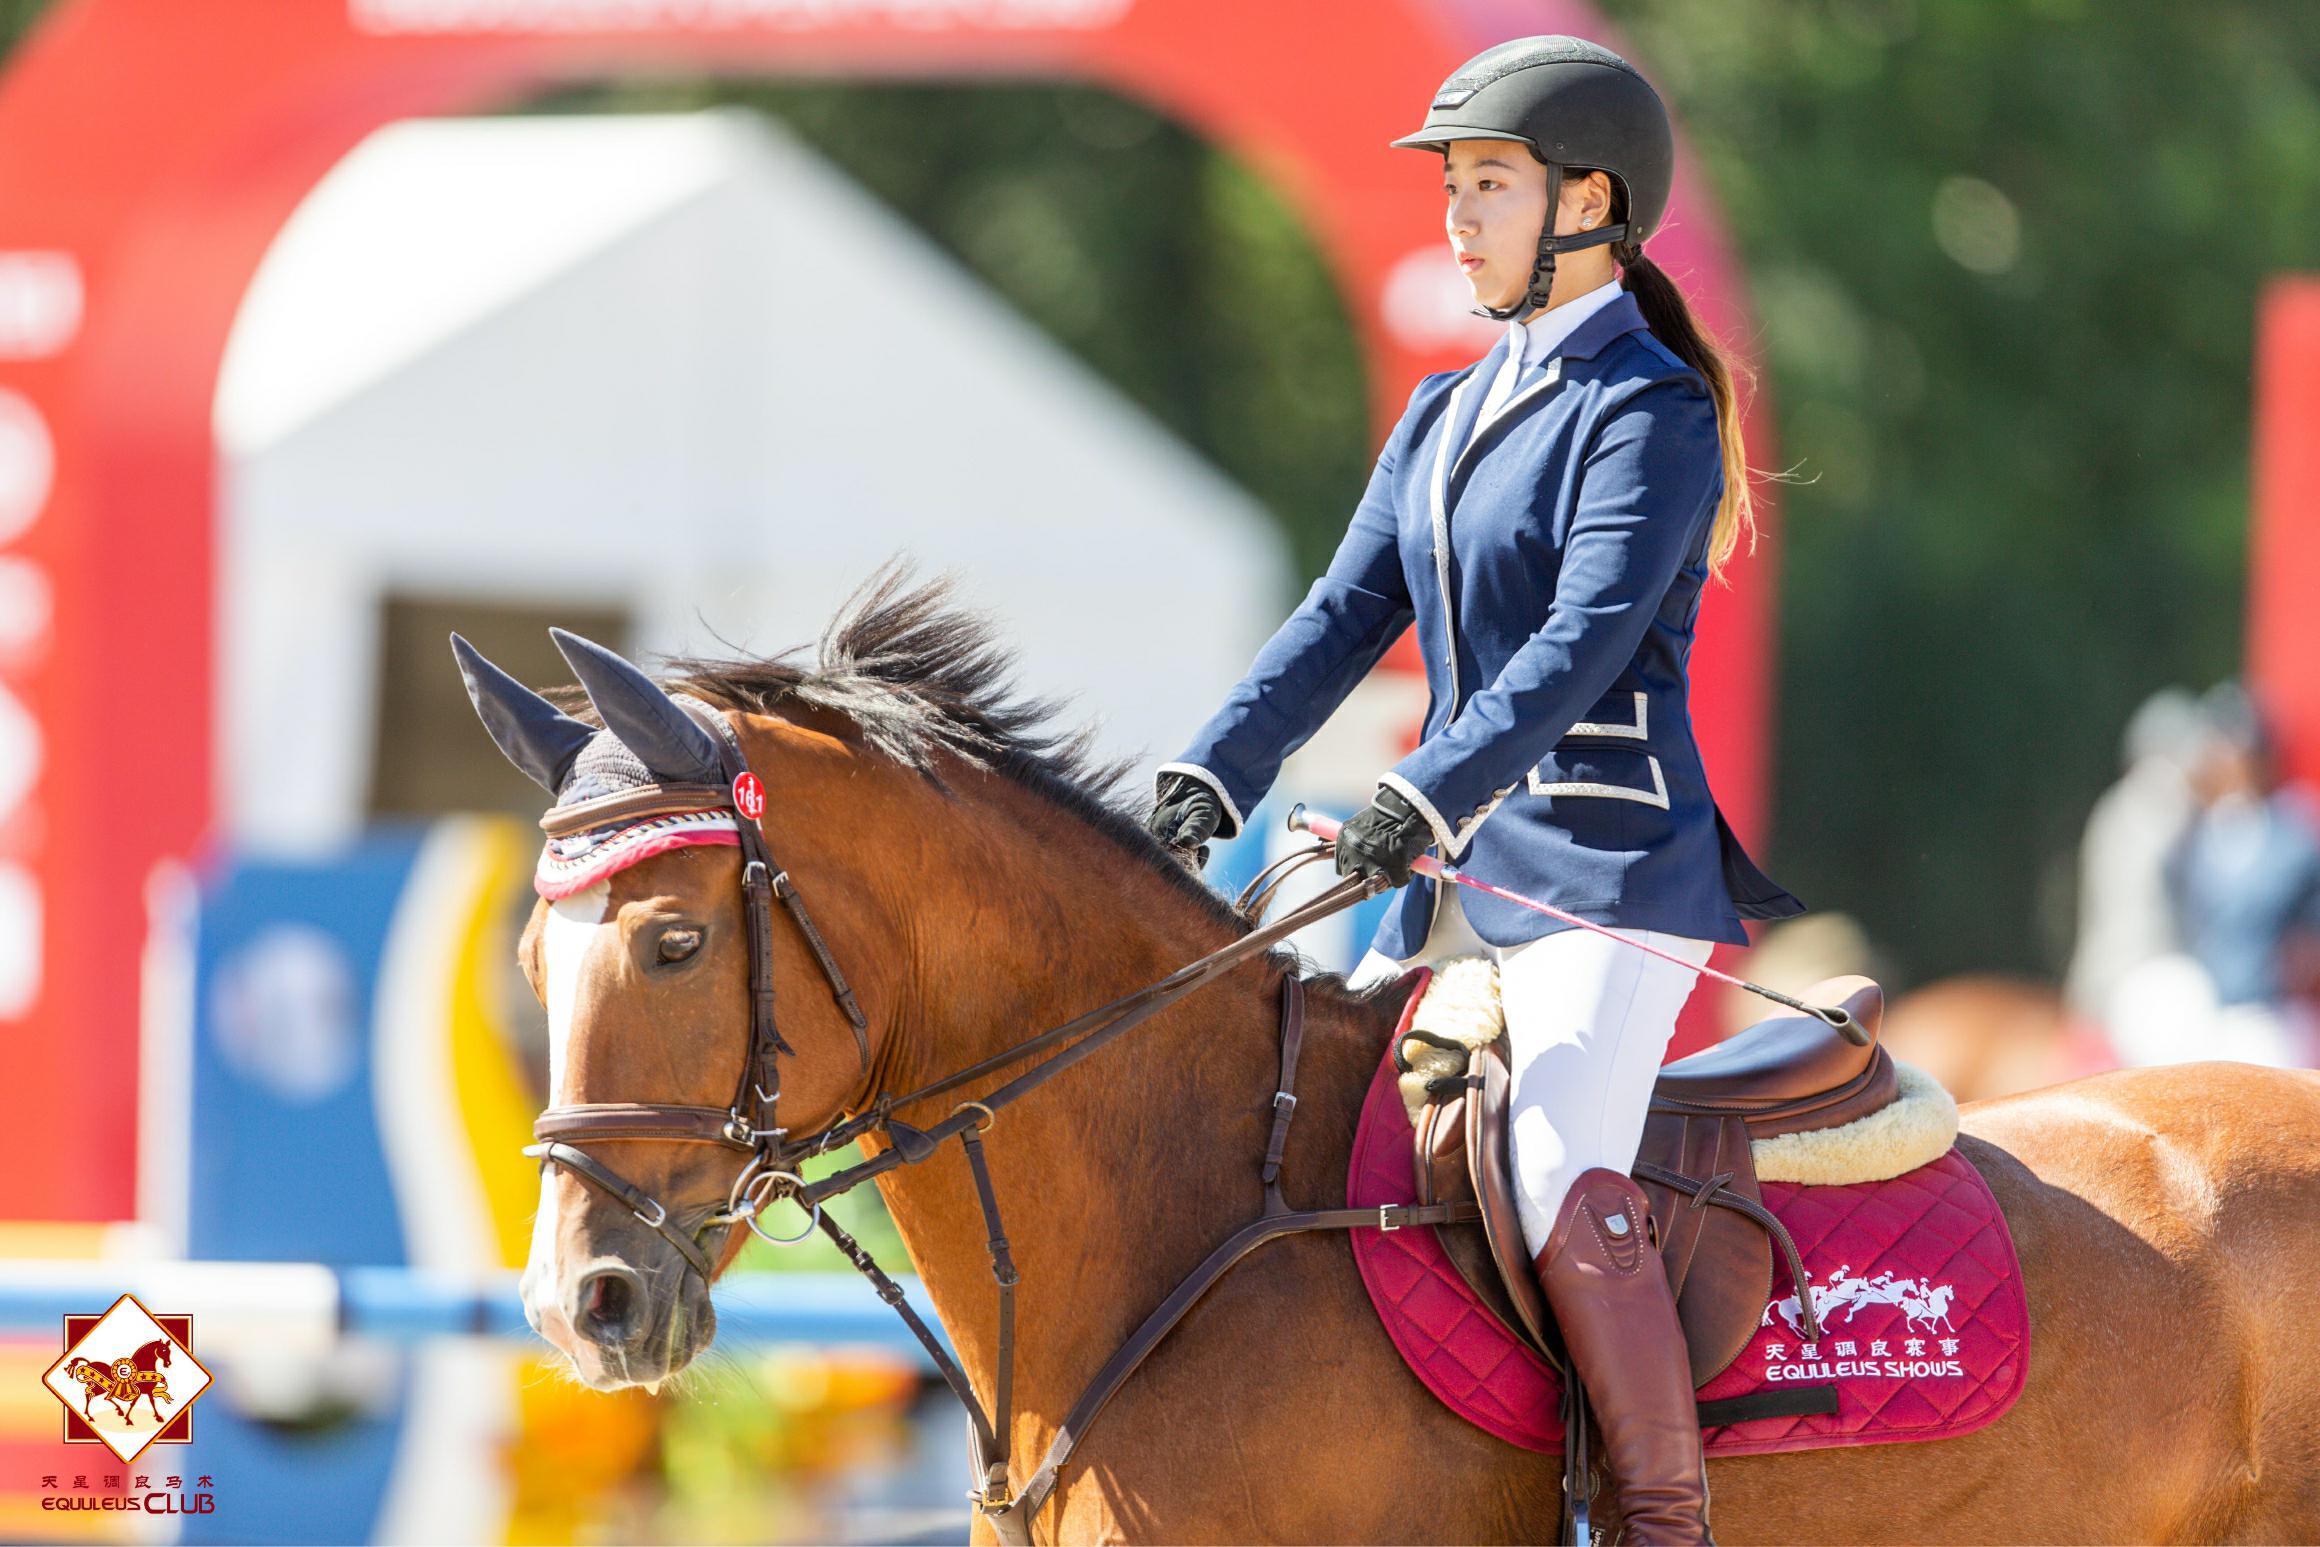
(2283, 627)
(148, 155)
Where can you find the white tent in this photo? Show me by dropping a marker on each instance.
(680, 367)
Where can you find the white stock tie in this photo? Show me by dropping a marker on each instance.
(1509, 370)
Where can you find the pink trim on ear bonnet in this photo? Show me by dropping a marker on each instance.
(574, 864)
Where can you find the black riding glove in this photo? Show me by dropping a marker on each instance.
(1185, 815)
(1384, 838)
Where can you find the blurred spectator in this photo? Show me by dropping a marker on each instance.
(2244, 884)
(2125, 916)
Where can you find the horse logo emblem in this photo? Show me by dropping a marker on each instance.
(127, 1379)
(1924, 1306)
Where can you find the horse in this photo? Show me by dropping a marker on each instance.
(981, 876)
(124, 1379)
(1986, 1034)
(1930, 1307)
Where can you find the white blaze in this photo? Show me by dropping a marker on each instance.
(575, 927)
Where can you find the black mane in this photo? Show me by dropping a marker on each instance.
(921, 675)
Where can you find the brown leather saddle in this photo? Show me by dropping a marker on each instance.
(1785, 1074)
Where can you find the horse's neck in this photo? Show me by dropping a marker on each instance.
(1116, 1177)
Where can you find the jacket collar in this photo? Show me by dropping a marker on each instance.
(1618, 318)
(1460, 443)
(1544, 335)
(1621, 317)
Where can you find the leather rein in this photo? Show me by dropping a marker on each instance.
(749, 1125)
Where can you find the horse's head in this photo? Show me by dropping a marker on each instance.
(640, 950)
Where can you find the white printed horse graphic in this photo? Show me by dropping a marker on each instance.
(1930, 1307)
(1848, 1292)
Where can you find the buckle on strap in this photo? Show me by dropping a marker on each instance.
(1385, 1217)
(1284, 1102)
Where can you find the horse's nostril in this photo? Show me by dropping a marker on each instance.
(610, 1300)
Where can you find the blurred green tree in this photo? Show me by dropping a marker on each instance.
(2005, 261)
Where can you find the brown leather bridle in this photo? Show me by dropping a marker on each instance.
(748, 1125)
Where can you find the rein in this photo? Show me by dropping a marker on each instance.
(749, 1124)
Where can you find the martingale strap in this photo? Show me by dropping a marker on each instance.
(990, 1429)
(1011, 1519)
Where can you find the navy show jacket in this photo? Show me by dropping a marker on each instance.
(1554, 567)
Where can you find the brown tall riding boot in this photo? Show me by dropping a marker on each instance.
(1610, 1294)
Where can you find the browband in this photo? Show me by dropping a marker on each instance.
(632, 805)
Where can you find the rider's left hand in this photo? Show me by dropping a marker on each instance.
(1384, 838)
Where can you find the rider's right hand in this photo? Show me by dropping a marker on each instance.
(1186, 813)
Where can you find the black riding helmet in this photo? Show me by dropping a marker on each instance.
(1574, 104)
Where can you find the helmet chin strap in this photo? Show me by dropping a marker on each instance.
(1542, 281)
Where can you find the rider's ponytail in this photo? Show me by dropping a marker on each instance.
(1671, 321)
(1670, 318)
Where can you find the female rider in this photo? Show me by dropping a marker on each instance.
(1547, 517)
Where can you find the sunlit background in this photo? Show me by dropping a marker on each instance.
(328, 326)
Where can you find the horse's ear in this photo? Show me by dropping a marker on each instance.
(668, 741)
(537, 737)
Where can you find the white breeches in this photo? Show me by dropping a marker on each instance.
(1587, 1023)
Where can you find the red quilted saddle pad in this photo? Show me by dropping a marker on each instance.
(1925, 1332)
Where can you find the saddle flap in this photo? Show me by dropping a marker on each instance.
(1489, 1088)
(1438, 1154)
(1443, 1175)
(1719, 1262)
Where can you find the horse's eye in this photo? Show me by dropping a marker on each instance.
(677, 944)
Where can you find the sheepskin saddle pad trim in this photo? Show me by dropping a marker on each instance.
(1916, 1128)
(1461, 1004)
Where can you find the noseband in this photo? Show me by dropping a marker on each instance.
(748, 1124)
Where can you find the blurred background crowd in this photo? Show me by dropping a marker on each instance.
(2199, 912)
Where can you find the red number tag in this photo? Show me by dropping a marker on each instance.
(748, 796)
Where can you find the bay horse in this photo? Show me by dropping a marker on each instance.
(980, 877)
